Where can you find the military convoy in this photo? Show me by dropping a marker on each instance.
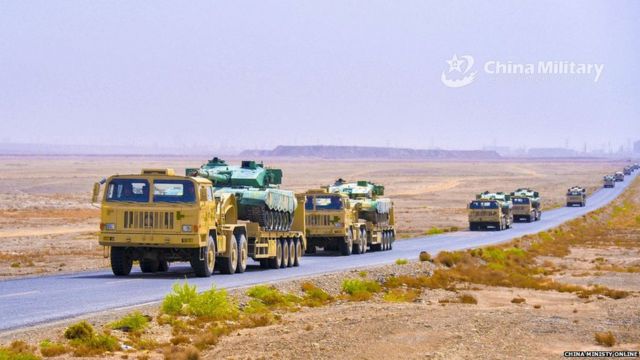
(350, 218)
(490, 211)
(158, 217)
(526, 205)
(576, 195)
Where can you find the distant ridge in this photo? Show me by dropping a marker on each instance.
(367, 152)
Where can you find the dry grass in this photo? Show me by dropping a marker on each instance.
(402, 262)
(51, 349)
(605, 338)
(181, 353)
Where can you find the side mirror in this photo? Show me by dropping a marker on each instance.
(96, 193)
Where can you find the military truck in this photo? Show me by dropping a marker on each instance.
(576, 195)
(490, 211)
(619, 176)
(627, 170)
(157, 217)
(369, 219)
(609, 181)
(526, 205)
(332, 223)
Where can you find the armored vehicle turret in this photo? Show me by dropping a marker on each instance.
(256, 190)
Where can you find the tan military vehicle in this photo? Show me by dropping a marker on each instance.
(576, 195)
(490, 211)
(157, 217)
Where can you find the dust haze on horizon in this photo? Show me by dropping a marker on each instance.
(257, 74)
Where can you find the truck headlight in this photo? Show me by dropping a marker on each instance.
(109, 226)
(187, 228)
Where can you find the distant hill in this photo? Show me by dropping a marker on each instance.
(366, 152)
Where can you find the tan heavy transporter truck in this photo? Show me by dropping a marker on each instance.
(490, 211)
(157, 217)
(609, 181)
(527, 206)
(350, 218)
(576, 195)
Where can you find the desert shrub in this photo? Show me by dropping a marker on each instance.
(96, 345)
(180, 339)
(467, 299)
(134, 322)
(424, 256)
(8, 354)
(272, 297)
(50, 349)
(181, 353)
(212, 304)
(605, 338)
(434, 231)
(359, 289)
(402, 261)
(362, 273)
(314, 296)
(401, 295)
(518, 300)
(79, 331)
(448, 258)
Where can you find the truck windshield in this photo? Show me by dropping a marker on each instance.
(483, 205)
(520, 201)
(324, 203)
(136, 190)
(174, 191)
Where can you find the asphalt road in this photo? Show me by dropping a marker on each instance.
(29, 301)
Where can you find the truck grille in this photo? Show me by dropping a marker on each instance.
(318, 220)
(157, 220)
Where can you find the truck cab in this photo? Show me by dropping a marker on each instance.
(488, 212)
(576, 196)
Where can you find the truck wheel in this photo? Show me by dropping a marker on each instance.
(346, 246)
(163, 266)
(392, 238)
(121, 262)
(228, 264)
(149, 265)
(298, 246)
(204, 267)
(243, 254)
(284, 258)
(274, 262)
(363, 236)
(292, 252)
(388, 241)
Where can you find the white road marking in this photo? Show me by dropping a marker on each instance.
(121, 281)
(19, 294)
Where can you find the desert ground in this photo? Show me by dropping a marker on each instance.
(48, 225)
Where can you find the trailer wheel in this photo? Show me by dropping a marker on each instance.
(363, 236)
(149, 265)
(204, 267)
(292, 252)
(298, 246)
(229, 264)
(163, 266)
(392, 238)
(274, 262)
(121, 262)
(285, 253)
(243, 254)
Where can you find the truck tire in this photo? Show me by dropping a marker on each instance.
(392, 238)
(121, 262)
(243, 254)
(292, 252)
(346, 246)
(229, 264)
(149, 265)
(298, 246)
(163, 266)
(275, 261)
(204, 268)
(363, 235)
(284, 245)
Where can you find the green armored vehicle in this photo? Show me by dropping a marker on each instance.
(490, 211)
(256, 190)
(526, 205)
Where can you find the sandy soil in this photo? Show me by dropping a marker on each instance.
(47, 224)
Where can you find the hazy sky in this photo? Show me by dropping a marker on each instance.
(255, 74)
